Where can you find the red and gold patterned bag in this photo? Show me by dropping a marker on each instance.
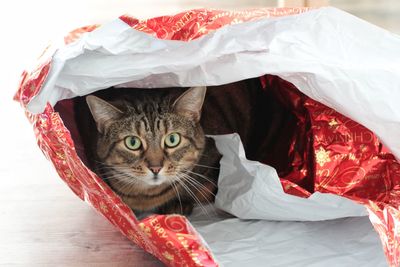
(341, 156)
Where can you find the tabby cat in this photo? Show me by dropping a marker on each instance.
(150, 150)
(150, 145)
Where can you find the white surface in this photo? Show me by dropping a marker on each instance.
(343, 242)
(334, 68)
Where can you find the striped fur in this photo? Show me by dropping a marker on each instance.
(152, 115)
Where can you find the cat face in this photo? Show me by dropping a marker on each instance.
(150, 142)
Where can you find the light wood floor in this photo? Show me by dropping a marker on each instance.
(42, 222)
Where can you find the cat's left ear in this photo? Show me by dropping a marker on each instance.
(103, 112)
(190, 102)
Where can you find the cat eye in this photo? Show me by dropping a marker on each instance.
(133, 142)
(172, 140)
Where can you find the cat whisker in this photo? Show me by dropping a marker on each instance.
(122, 183)
(197, 174)
(129, 185)
(177, 194)
(109, 175)
(126, 182)
(189, 178)
(196, 184)
(114, 168)
(120, 179)
(205, 166)
(193, 195)
(107, 166)
(201, 176)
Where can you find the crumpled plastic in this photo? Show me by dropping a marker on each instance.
(252, 190)
(344, 70)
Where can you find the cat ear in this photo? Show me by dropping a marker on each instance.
(103, 112)
(190, 102)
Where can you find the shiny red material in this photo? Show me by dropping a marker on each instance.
(328, 153)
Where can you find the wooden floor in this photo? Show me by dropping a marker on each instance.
(42, 222)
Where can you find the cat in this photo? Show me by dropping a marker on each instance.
(150, 150)
(150, 145)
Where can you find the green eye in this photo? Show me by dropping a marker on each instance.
(133, 142)
(172, 140)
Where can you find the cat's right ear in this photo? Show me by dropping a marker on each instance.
(103, 112)
(190, 102)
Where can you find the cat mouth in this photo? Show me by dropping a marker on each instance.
(157, 180)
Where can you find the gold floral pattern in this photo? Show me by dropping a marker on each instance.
(322, 156)
(145, 229)
(168, 256)
(333, 123)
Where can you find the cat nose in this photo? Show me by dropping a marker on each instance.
(155, 170)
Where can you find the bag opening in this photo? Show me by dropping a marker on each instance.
(278, 136)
